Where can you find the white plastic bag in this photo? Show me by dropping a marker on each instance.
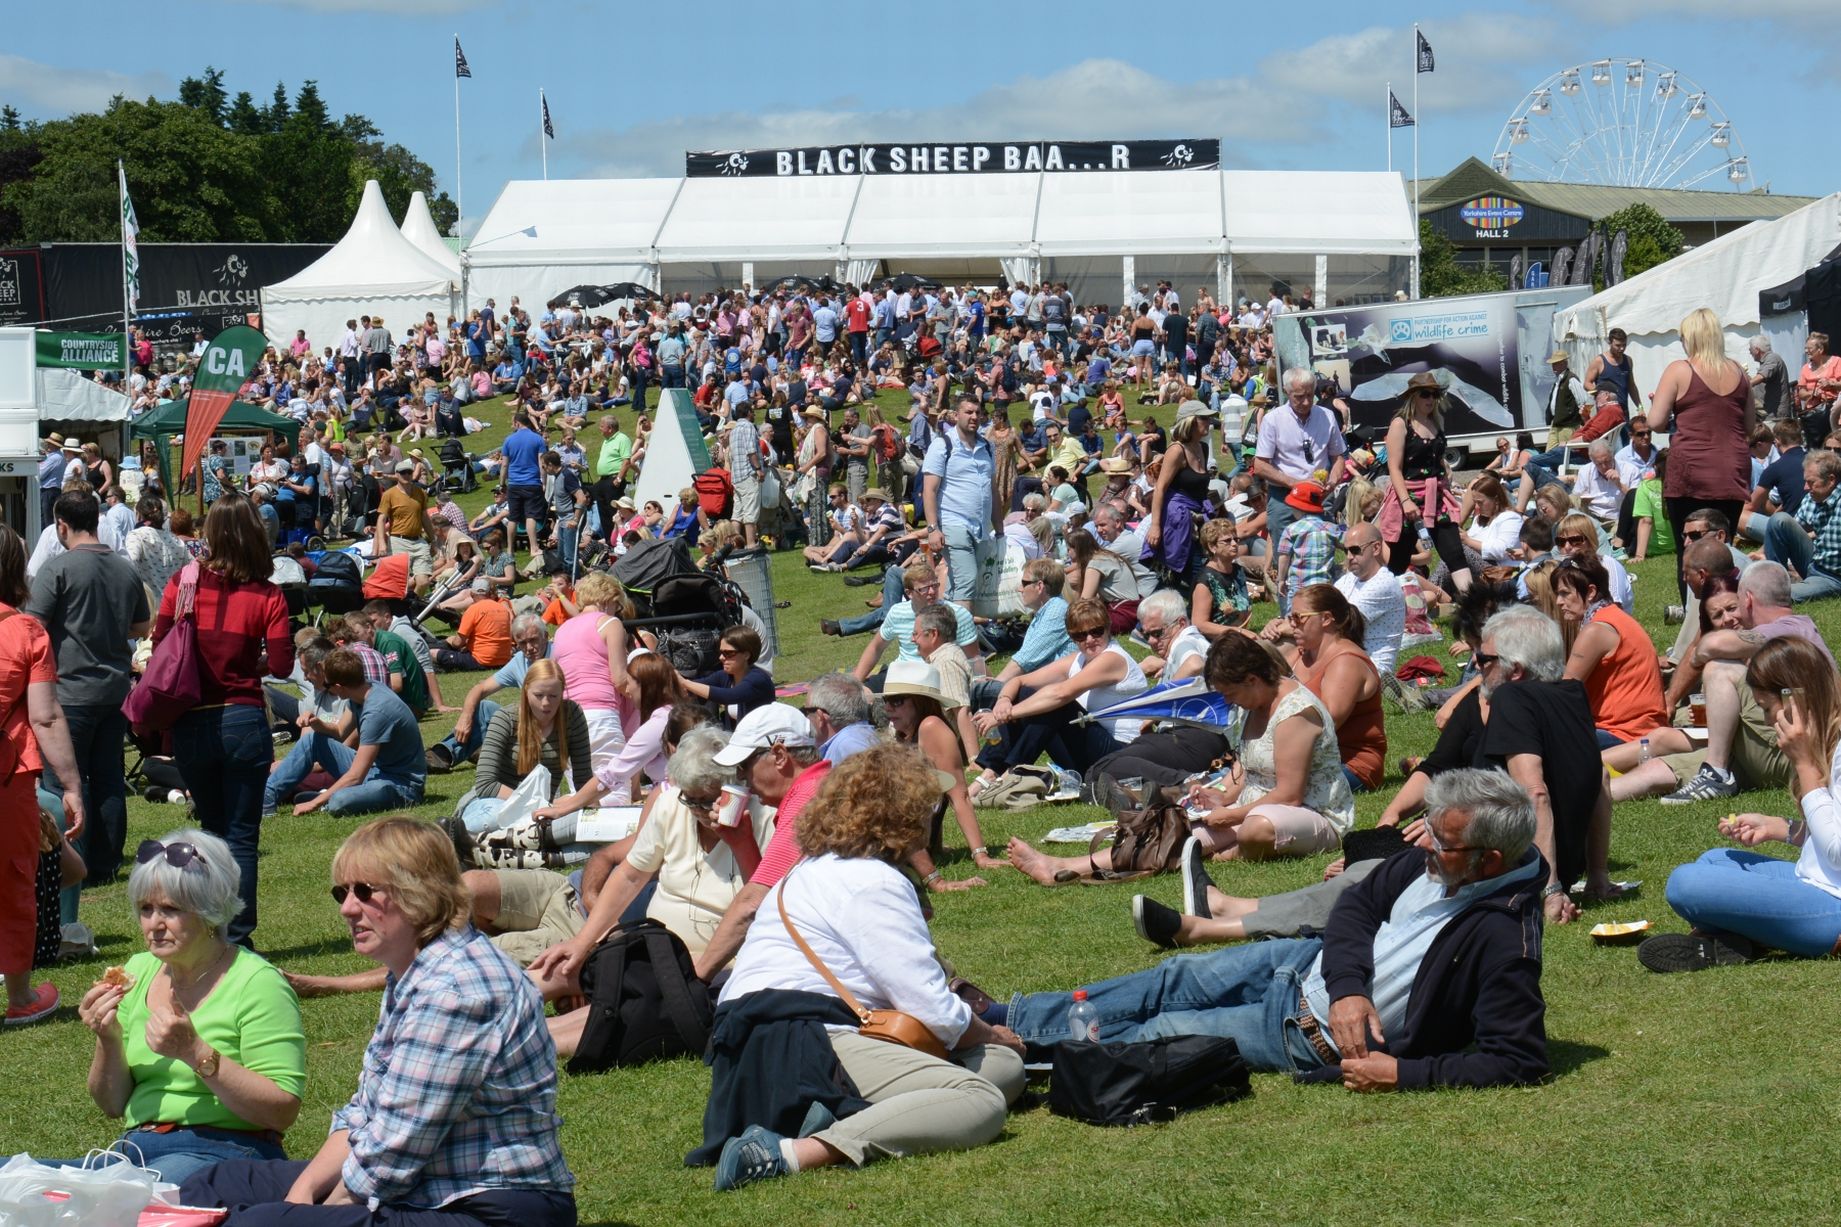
(531, 795)
(111, 1194)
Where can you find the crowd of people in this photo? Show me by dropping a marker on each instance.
(792, 851)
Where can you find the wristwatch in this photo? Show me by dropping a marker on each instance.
(207, 1068)
(1552, 889)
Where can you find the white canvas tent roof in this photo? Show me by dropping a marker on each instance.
(373, 270)
(542, 236)
(71, 396)
(419, 228)
(1725, 275)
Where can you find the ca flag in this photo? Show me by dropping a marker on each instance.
(460, 60)
(130, 252)
(548, 130)
(1397, 115)
(1426, 63)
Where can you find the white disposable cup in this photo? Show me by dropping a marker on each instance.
(733, 807)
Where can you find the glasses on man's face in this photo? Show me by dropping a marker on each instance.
(1640, 434)
(1438, 848)
(1692, 535)
(1485, 659)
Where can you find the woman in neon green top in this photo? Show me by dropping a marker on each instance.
(201, 1052)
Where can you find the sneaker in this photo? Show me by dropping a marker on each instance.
(1195, 879)
(44, 1003)
(755, 1155)
(439, 758)
(1705, 786)
(456, 830)
(1155, 923)
(1671, 952)
(861, 581)
(827, 627)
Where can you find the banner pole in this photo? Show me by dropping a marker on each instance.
(1417, 119)
(459, 211)
(127, 337)
(1387, 113)
(543, 142)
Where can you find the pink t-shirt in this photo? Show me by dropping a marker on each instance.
(581, 653)
(783, 849)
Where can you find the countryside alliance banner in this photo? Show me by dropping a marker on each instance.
(960, 158)
(222, 372)
(83, 351)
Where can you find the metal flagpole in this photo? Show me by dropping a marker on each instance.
(543, 141)
(1387, 109)
(127, 307)
(459, 209)
(1415, 159)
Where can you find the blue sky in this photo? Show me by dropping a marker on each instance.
(629, 93)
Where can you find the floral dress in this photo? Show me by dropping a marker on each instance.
(1326, 791)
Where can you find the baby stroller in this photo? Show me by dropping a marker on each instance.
(685, 609)
(289, 576)
(337, 586)
(457, 474)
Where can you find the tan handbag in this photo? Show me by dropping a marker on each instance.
(891, 1026)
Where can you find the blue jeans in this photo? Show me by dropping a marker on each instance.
(1249, 994)
(257, 1191)
(482, 814)
(893, 593)
(223, 754)
(373, 793)
(961, 559)
(460, 751)
(1734, 890)
(1787, 543)
(185, 1152)
(1070, 746)
(98, 735)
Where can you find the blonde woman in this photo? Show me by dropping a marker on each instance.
(544, 728)
(591, 648)
(1705, 402)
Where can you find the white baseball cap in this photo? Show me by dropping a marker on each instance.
(775, 724)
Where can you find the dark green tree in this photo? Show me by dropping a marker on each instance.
(1440, 274)
(206, 93)
(310, 107)
(244, 116)
(9, 118)
(275, 114)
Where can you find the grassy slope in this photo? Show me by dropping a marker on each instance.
(1691, 1098)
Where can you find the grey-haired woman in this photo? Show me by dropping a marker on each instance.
(199, 1046)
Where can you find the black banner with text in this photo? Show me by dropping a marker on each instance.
(957, 158)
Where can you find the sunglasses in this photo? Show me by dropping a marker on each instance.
(1485, 659)
(701, 805)
(1694, 536)
(1570, 539)
(1096, 632)
(177, 855)
(1640, 434)
(364, 890)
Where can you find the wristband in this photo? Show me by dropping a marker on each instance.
(933, 878)
(980, 850)
(1552, 889)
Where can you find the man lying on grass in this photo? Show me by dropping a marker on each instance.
(1428, 973)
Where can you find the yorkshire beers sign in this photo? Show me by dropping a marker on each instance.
(963, 158)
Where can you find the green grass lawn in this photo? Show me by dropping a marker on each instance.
(1675, 1099)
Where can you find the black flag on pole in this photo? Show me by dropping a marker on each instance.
(1397, 115)
(1426, 63)
(548, 130)
(460, 60)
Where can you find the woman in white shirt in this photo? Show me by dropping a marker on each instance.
(861, 919)
(1495, 529)
(1740, 902)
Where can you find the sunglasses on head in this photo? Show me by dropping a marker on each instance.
(364, 890)
(177, 855)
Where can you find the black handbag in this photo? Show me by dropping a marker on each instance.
(1145, 1083)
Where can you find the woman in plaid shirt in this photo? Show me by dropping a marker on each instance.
(454, 1121)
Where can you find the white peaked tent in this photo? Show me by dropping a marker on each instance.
(419, 228)
(374, 270)
(675, 451)
(1725, 275)
(71, 396)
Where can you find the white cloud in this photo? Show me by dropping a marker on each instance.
(1622, 12)
(1091, 99)
(1477, 57)
(51, 91)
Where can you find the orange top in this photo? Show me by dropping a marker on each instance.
(1625, 690)
(1362, 737)
(25, 659)
(486, 626)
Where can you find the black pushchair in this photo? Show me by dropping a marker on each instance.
(685, 609)
(457, 469)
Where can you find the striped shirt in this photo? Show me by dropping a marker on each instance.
(458, 1093)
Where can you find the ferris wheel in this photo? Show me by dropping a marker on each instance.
(1625, 123)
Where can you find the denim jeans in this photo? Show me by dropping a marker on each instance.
(1070, 746)
(185, 1152)
(1733, 890)
(98, 735)
(1787, 543)
(461, 751)
(894, 593)
(223, 753)
(1249, 994)
(373, 793)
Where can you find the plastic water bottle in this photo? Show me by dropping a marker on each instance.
(1642, 749)
(1083, 1019)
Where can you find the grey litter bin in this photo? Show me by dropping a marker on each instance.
(752, 572)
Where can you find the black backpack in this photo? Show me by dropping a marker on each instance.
(645, 1002)
(1145, 1083)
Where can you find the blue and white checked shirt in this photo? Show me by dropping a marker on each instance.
(458, 1093)
(1823, 520)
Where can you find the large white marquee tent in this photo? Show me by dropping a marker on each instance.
(1725, 275)
(1342, 235)
(373, 270)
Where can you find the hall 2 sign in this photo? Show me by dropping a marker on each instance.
(1491, 216)
(1026, 157)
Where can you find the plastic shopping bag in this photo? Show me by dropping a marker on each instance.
(112, 1194)
(531, 795)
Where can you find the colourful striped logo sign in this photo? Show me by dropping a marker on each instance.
(1491, 212)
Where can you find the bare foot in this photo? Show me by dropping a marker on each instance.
(1031, 862)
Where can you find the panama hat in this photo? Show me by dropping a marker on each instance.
(915, 677)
